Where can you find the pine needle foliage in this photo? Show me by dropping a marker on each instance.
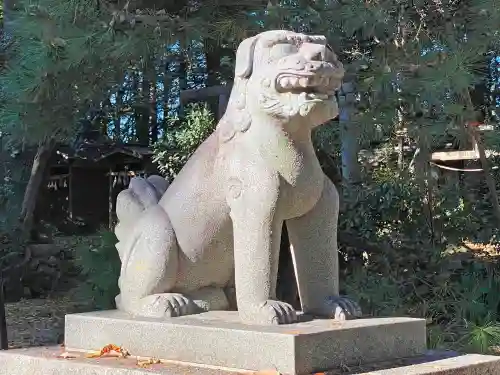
(68, 57)
(182, 139)
(423, 57)
(57, 69)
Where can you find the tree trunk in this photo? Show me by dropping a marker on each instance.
(4, 36)
(351, 170)
(35, 184)
(142, 111)
(167, 82)
(212, 55)
(400, 135)
(424, 180)
(4, 343)
(490, 182)
(153, 125)
(182, 75)
(117, 120)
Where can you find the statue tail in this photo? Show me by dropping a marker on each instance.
(132, 202)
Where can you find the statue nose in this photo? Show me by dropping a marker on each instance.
(313, 51)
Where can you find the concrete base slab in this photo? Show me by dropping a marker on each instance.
(218, 338)
(430, 364)
(45, 361)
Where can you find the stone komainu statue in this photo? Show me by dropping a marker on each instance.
(215, 231)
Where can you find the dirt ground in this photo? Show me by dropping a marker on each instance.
(39, 322)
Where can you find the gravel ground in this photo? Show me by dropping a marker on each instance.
(38, 322)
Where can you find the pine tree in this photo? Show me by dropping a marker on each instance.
(70, 56)
(418, 60)
(416, 66)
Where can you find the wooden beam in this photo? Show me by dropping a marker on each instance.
(205, 92)
(4, 343)
(455, 155)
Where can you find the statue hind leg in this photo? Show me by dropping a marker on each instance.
(150, 257)
(149, 254)
(149, 270)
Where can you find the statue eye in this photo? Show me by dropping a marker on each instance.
(281, 50)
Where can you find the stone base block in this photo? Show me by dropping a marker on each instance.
(432, 364)
(45, 361)
(218, 338)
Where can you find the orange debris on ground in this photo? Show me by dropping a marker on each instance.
(109, 350)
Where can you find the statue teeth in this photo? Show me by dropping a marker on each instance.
(303, 82)
(314, 95)
(293, 81)
(285, 83)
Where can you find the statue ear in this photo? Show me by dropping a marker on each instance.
(244, 58)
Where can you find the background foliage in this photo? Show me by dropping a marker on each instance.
(99, 266)
(182, 139)
(413, 242)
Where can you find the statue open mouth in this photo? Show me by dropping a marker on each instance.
(309, 86)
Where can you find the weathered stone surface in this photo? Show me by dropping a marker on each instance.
(470, 364)
(44, 361)
(219, 338)
(216, 229)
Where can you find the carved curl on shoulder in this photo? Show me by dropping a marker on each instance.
(237, 119)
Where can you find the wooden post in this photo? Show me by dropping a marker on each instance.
(4, 343)
(110, 200)
(351, 171)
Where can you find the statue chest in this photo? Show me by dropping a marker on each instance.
(298, 195)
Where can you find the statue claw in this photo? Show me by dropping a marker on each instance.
(164, 305)
(339, 308)
(269, 312)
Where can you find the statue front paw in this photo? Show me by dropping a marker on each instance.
(339, 308)
(163, 305)
(270, 312)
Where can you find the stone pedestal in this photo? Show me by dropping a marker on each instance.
(45, 361)
(217, 343)
(217, 338)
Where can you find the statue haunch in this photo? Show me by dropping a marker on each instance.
(217, 227)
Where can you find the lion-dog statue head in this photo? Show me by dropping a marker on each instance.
(291, 77)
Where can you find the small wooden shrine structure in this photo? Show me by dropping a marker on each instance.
(83, 182)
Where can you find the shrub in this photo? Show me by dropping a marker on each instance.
(182, 139)
(99, 264)
(409, 263)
